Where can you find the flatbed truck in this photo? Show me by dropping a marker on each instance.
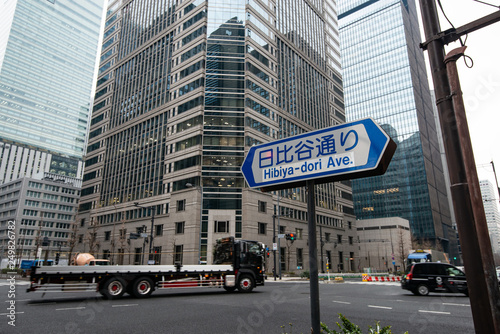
(238, 264)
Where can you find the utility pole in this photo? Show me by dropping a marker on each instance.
(496, 180)
(274, 243)
(466, 194)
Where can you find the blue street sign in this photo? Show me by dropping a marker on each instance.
(346, 151)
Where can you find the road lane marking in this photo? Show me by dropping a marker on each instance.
(454, 304)
(70, 308)
(10, 313)
(436, 312)
(340, 302)
(124, 305)
(383, 307)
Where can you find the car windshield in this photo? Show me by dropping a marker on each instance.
(451, 271)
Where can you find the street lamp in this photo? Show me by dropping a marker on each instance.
(152, 227)
(200, 189)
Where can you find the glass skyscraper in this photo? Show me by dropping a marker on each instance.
(184, 89)
(385, 78)
(48, 52)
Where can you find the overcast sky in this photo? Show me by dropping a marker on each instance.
(481, 83)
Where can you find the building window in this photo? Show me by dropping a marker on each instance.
(157, 255)
(329, 258)
(350, 240)
(339, 238)
(123, 233)
(282, 229)
(300, 258)
(262, 206)
(181, 205)
(105, 254)
(221, 226)
(179, 228)
(82, 222)
(262, 228)
(178, 254)
(138, 255)
(107, 235)
(341, 261)
(327, 237)
(349, 225)
(80, 238)
(121, 253)
(159, 230)
(298, 233)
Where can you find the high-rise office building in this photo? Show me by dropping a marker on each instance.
(385, 78)
(40, 213)
(490, 204)
(184, 89)
(48, 52)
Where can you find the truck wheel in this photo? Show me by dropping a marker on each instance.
(423, 290)
(245, 284)
(142, 287)
(113, 288)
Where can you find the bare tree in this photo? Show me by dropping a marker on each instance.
(403, 252)
(72, 241)
(91, 238)
(420, 243)
(38, 236)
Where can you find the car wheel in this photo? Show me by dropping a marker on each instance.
(423, 290)
(113, 288)
(245, 284)
(143, 287)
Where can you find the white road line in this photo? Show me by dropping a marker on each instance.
(9, 313)
(436, 312)
(124, 305)
(383, 307)
(70, 308)
(340, 302)
(454, 304)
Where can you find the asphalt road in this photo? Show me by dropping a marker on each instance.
(207, 310)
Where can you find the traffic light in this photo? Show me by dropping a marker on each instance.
(290, 236)
(57, 258)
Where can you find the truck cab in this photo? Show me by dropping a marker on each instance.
(247, 258)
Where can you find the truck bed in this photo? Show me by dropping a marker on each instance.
(132, 269)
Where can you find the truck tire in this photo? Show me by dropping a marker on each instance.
(113, 288)
(142, 287)
(246, 283)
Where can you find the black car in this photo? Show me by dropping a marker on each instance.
(425, 277)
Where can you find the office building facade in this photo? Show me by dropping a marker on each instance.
(385, 78)
(38, 214)
(490, 204)
(48, 52)
(185, 88)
